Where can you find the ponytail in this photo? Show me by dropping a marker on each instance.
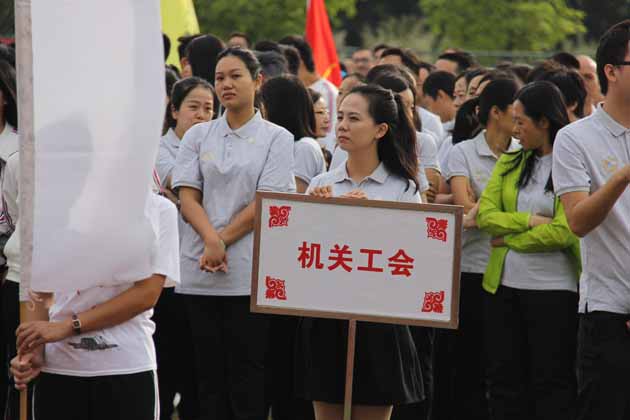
(467, 123)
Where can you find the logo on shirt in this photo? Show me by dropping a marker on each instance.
(610, 165)
(92, 344)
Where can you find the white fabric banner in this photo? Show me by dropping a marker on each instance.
(99, 97)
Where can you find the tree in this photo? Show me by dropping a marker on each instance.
(533, 25)
(261, 19)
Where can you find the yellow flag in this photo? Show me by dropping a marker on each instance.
(178, 19)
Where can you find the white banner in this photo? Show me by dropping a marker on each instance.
(357, 259)
(99, 97)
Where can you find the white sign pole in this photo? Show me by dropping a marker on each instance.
(24, 55)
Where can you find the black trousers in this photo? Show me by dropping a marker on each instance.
(230, 345)
(280, 365)
(424, 339)
(120, 397)
(173, 344)
(531, 347)
(459, 370)
(9, 320)
(604, 367)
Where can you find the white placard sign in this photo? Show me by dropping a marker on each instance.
(357, 259)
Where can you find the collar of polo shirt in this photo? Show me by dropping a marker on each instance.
(379, 175)
(248, 130)
(616, 129)
(481, 145)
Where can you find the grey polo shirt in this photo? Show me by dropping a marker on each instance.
(474, 160)
(228, 166)
(539, 270)
(167, 154)
(586, 154)
(308, 159)
(380, 185)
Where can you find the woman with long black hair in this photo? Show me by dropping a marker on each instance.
(530, 298)
(375, 129)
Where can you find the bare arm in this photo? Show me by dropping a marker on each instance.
(241, 225)
(461, 196)
(585, 212)
(433, 176)
(300, 185)
(142, 296)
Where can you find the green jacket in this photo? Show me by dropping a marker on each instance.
(498, 217)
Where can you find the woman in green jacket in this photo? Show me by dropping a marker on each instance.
(530, 304)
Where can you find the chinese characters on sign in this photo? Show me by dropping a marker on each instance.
(341, 257)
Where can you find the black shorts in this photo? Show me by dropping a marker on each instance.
(120, 397)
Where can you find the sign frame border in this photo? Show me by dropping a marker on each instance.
(457, 211)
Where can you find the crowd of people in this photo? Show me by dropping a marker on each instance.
(538, 156)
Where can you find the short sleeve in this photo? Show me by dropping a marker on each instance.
(309, 161)
(569, 170)
(457, 165)
(165, 257)
(424, 181)
(277, 174)
(10, 183)
(428, 151)
(165, 162)
(410, 195)
(187, 171)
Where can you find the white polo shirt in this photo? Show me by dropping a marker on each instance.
(432, 124)
(167, 154)
(380, 185)
(586, 154)
(125, 348)
(228, 167)
(309, 159)
(474, 160)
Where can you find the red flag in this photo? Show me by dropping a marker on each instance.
(319, 36)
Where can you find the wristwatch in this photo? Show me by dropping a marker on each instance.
(76, 324)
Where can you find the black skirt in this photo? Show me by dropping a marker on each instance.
(386, 366)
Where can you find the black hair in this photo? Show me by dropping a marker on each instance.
(183, 44)
(521, 70)
(8, 86)
(171, 77)
(380, 47)
(306, 53)
(272, 63)
(7, 54)
(439, 80)
(266, 45)
(203, 56)
(246, 56)
(471, 74)
(241, 35)
(315, 95)
(463, 59)
(380, 69)
(397, 149)
(427, 66)
(178, 95)
(541, 99)
(358, 76)
(497, 75)
(566, 59)
(289, 105)
(541, 68)
(499, 93)
(467, 124)
(398, 83)
(612, 49)
(408, 59)
(571, 85)
(167, 45)
(293, 58)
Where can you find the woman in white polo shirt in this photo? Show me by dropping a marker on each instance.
(92, 350)
(376, 131)
(459, 353)
(191, 103)
(219, 167)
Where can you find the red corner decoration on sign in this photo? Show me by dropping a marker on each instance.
(275, 289)
(433, 302)
(436, 228)
(279, 216)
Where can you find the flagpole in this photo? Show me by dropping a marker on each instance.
(24, 56)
